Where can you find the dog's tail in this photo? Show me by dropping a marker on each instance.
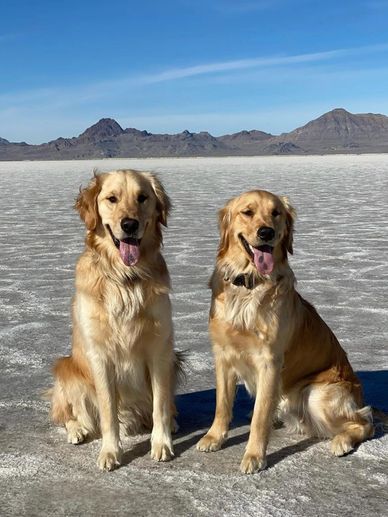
(381, 417)
(179, 365)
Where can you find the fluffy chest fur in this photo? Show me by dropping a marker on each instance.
(248, 325)
(245, 351)
(120, 315)
(137, 316)
(249, 309)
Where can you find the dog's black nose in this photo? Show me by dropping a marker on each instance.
(129, 226)
(266, 233)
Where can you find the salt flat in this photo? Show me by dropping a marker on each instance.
(340, 261)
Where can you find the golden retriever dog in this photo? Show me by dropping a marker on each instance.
(266, 334)
(121, 372)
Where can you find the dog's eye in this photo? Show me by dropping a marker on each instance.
(248, 212)
(112, 199)
(141, 198)
(275, 213)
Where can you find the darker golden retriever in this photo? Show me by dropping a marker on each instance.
(266, 334)
(122, 369)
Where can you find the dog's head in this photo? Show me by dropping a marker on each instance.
(256, 227)
(126, 208)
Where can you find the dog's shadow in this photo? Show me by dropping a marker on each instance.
(375, 386)
(196, 413)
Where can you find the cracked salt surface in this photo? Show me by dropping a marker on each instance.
(341, 246)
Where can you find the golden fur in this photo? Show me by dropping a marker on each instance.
(122, 367)
(275, 341)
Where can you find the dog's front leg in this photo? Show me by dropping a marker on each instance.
(103, 374)
(225, 393)
(161, 378)
(267, 389)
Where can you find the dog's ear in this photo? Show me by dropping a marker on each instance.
(224, 219)
(163, 203)
(290, 220)
(86, 203)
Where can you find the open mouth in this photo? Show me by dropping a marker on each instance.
(129, 248)
(262, 256)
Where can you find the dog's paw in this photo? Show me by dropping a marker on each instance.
(75, 433)
(341, 445)
(109, 458)
(162, 451)
(209, 443)
(252, 463)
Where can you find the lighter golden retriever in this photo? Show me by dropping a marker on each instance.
(122, 369)
(266, 334)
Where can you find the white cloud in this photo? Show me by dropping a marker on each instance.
(61, 97)
(261, 62)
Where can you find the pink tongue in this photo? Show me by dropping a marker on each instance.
(263, 260)
(130, 253)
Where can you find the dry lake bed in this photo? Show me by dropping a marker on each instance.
(340, 260)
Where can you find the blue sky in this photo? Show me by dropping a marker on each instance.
(219, 66)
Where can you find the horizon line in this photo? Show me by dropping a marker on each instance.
(194, 132)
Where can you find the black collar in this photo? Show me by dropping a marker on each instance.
(244, 280)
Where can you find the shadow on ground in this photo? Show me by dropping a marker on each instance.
(375, 384)
(196, 410)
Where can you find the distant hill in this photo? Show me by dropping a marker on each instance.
(341, 131)
(337, 131)
(245, 142)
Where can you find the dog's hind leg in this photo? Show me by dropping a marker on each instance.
(73, 401)
(333, 412)
(354, 431)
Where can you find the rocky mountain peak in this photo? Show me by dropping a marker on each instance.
(105, 128)
(337, 131)
(341, 130)
(338, 111)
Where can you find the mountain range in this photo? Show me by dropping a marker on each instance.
(337, 131)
